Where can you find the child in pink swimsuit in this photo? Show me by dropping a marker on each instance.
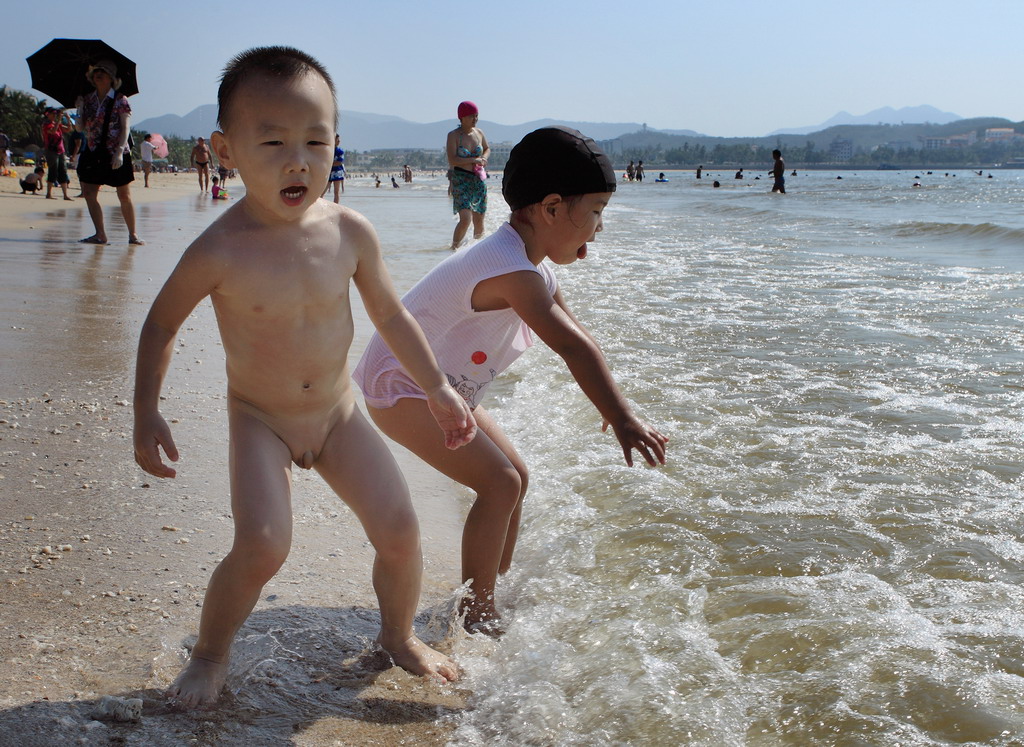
(477, 309)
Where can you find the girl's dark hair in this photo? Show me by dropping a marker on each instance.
(274, 62)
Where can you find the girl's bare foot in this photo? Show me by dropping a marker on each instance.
(199, 683)
(492, 628)
(416, 657)
(481, 617)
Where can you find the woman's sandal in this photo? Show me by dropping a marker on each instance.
(91, 240)
(135, 240)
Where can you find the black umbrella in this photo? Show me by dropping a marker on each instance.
(59, 68)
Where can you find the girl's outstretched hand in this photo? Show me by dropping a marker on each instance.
(453, 415)
(636, 434)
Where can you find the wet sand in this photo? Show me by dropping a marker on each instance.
(104, 567)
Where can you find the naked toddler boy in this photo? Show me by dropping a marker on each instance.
(277, 266)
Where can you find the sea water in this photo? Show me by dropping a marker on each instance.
(833, 553)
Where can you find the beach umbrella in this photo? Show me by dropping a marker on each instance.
(59, 68)
(159, 145)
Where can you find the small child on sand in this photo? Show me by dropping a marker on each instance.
(217, 191)
(33, 182)
(477, 308)
(277, 266)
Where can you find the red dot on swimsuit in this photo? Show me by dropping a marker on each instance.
(478, 357)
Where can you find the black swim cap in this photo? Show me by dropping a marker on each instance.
(555, 160)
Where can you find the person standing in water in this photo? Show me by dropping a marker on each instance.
(779, 172)
(468, 152)
(337, 177)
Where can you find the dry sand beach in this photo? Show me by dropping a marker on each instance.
(104, 567)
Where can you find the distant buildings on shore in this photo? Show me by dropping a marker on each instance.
(840, 150)
(967, 139)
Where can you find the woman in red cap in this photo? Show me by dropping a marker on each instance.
(467, 155)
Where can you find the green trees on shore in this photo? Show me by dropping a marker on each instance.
(21, 116)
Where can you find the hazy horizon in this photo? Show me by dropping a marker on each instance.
(734, 69)
(841, 117)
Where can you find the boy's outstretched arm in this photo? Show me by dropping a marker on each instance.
(550, 318)
(151, 432)
(400, 330)
(185, 288)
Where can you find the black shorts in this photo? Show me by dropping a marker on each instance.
(94, 168)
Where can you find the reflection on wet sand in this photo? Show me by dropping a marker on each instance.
(72, 304)
(104, 568)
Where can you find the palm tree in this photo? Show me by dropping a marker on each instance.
(21, 115)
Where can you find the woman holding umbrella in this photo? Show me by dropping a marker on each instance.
(104, 115)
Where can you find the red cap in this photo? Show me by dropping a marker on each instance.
(468, 109)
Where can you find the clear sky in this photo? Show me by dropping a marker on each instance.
(721, 67)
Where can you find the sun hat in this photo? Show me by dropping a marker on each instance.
(555, 160)
(109, 68)
(467, 109)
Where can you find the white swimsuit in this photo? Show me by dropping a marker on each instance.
(471, 347)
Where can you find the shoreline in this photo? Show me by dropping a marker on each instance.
(19, 211)
(105, 567)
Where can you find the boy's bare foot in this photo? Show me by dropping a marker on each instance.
(199, 683)
(416, 657)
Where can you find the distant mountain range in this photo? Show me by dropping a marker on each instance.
(362, 131)
(885, 115)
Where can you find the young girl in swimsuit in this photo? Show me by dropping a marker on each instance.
(477, 309)
(468, 152)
